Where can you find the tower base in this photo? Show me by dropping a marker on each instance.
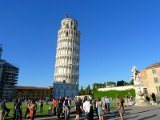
(64, 90)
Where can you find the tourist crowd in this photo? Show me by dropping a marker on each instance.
(61, 108)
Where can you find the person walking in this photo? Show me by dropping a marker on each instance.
(27, 109)
(86, 107)
(14, 111)
(60, 107)
(107, 104)
(147, 98)
(153, 97)
(91, 108)
(40, 106)
(47, 99)
(32, 108)
(5, 110)
(120, 103)
(99, 109)
(95, 107)
(78, 108)
(66, 106)
(18, 110)
(54, 106)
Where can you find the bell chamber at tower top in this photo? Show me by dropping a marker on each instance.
(69, 23)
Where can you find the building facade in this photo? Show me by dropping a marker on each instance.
(8, 79)
(150, 77)
(27, 92)
(66, 74)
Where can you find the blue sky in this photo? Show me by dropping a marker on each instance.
(115, 35)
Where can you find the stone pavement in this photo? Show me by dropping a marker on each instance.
(137, 113)
(131, 113)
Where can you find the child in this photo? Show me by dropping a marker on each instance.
(49, 111)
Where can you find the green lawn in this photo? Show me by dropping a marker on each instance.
(113, 105)
(45, 110)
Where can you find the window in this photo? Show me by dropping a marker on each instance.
(155, 80)
(66, 33)
(154, 71)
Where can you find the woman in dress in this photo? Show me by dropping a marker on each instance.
(99, 109)
(78, 108)
(120, 103)
(32, 108)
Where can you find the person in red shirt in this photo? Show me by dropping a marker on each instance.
(32, 109)
(54, 105)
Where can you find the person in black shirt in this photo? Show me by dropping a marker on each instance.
(153, 97)
(18, 110)
(60, 107)
(78, 108)
(91, 109)
(147, 98)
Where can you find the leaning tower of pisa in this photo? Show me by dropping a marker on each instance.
(66, 74)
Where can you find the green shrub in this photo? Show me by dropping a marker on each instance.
(113, 93)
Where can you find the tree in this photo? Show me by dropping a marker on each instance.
(81, 91)
(98, 85)
(110, 83)
(122, 83)
(94, 86)
(88, 90)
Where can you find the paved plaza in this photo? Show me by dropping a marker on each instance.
(131, 113)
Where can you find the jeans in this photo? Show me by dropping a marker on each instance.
(66, 112)
(108, 107)
(18, 115)
(86, 116)
(54, 110)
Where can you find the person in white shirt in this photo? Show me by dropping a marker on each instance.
(66, 105)
(86, 107)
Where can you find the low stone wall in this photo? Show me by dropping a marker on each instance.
(117, 88)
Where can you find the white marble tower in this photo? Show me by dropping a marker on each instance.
(66, 74)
